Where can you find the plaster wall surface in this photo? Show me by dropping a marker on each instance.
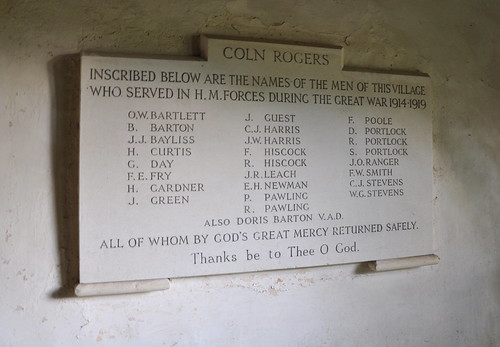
(456, 303)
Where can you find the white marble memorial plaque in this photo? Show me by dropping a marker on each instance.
(260, 156)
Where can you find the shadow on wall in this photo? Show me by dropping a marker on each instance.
(65, 90)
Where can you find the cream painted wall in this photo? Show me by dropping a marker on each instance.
(456, 303)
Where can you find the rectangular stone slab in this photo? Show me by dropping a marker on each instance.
(258, 156)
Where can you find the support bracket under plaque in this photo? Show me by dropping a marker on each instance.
(123, 287)
(257, 156)
(403, 263)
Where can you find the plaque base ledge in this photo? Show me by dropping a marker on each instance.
(403, 263)
(124, 287)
